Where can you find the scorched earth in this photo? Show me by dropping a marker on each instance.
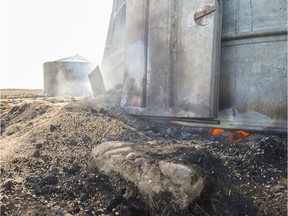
(48, 166)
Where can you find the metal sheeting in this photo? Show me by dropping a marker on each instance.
(112, 65)
(172, 58)
(96, 82)
(253, 68)
(253, 77)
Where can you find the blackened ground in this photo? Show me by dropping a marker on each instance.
(48, 174)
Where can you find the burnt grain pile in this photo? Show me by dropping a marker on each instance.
(46, 146)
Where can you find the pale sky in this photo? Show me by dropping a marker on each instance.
(36, 31)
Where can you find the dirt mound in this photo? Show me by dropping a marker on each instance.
(46, 146)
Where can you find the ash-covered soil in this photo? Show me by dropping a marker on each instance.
(46, 146)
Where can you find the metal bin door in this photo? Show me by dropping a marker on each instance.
(172, 54)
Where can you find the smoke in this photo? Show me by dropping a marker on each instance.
(71, 80)
(74, 85)
(112, 68)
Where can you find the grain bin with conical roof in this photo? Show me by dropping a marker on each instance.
(68, 77)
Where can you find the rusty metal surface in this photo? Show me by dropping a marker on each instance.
(171, 61)
(207, 10)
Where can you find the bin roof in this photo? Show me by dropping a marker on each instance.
(74, 58)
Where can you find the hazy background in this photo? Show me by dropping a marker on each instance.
(36, 31)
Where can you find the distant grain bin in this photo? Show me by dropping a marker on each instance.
(67, 77)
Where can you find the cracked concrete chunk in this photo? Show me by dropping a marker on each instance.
(151, 176)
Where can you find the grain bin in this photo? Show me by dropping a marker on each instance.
(253, 63)
(67, 77)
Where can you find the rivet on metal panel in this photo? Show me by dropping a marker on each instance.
(206, 10)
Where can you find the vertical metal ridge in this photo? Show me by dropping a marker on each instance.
(146, 31)
(173, 17)
(215, 79)
(237, 17)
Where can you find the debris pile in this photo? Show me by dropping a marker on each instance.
(52, 164)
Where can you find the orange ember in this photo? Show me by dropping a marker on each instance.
(216, 131)
(235, 136)
(241, 134)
